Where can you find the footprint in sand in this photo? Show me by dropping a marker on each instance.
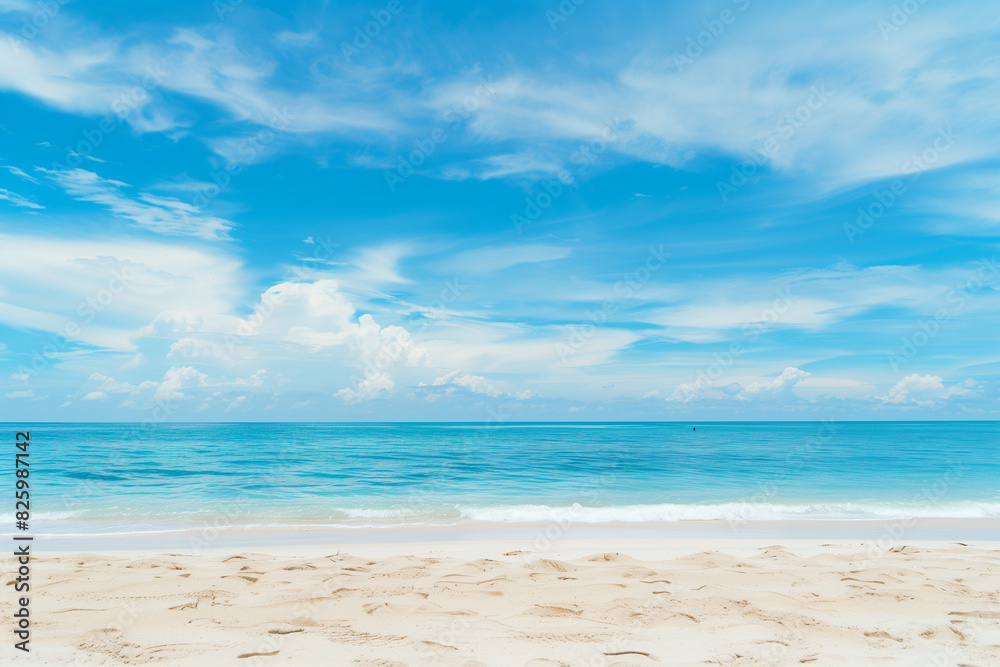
(552, 610)
(976, 614)
(550, 565)
(632, 653)
(612, 557)
(302, 621)
(189, 605)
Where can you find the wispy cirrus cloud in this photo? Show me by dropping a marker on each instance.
(18, 200)
(19, 173)
(163, 215)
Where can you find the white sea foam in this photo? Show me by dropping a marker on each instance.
(729, 512)
(383, 513)
(359, 517)
(8, 517)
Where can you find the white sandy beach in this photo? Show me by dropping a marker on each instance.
(593, 601)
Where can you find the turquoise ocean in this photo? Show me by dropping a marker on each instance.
(113, 478)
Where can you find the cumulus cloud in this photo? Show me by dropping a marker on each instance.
(376, 385)
(477, 384)
(318, 317)
(685, 392)
(176, 381)
(779, 387)
(926, 391)
(107, 385)
(197, 349)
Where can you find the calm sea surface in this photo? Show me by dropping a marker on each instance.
(102, 477)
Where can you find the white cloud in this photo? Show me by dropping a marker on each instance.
(780, 386)
(899, 92)
(19, 173)
(178, 380)
(234, 403)
(381, 264)
(66, 77)
(26, 393)
(503, 166)
(376, 385)
(318, 316)
(164, 215)
(926, 391)
(179, 383)
(763, 71)
(102, 291)
(106, 385)
(477, 384)
(255, 380)
(18, 200)
(92, 75)
(685, 392)
(197, 349)
(495, 258)
(293, 38)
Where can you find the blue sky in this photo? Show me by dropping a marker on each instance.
(529, 211)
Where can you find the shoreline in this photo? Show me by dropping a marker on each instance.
(571, 548)
(537, 535)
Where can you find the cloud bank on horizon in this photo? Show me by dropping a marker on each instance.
(541, 210)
